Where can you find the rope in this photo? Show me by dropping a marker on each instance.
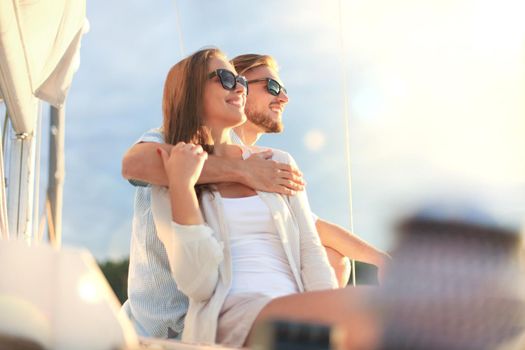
(4, 228)
(4, 131)
(50, 224)
(36, 191)
(179, 29)
(346, 117)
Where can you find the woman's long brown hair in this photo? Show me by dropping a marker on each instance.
(182, 103)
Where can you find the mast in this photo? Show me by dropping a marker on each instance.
(20, 188)
(56, 175)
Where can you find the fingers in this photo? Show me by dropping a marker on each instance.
(179, 146)
(284, 190)
(195, 149)
(187, 146)
(291, 176)
(289, 168)
(263, 155)
(291, 185)
(190, 147)
(199, 151)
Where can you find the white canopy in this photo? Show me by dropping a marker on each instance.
(39, 46)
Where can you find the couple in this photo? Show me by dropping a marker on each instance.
(231, 241)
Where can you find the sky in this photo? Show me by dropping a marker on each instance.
(429, 95)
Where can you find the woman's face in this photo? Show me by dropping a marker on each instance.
(223, 108)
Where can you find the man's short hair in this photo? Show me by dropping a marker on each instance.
(244, 63)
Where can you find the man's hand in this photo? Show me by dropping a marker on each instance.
(264, 174)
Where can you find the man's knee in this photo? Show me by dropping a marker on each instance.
(340, 264)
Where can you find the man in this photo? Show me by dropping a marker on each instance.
(264, 107)
(155, 305)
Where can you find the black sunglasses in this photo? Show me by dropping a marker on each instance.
(228, 79)
(272, 86)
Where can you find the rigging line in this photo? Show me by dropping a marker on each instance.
(4, 229)
(19, 189)
(50, 223)
(36, 169)
(4, 130)
(346, 117)
(179, 29)
(3, 197)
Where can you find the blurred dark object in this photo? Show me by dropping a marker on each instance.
(9, 342)
(454, 285)
(366, 274)
(287, 335)
(116, 272)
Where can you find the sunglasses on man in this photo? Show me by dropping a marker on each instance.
(272, 86)
(228, 79)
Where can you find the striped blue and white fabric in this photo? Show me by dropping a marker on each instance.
(155, 305)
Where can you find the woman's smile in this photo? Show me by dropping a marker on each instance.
(236, 101)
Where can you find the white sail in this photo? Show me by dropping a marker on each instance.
(45, 36)
(39, 54)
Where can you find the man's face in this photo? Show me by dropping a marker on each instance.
(262, 108)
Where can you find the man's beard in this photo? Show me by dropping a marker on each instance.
(264, 121)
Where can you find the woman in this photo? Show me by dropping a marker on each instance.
(240, 256)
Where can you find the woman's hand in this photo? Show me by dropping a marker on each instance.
(183, 167)
(184, 164)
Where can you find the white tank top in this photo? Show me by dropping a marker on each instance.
(258, 259)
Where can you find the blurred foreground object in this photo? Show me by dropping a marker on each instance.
(288, 335)
(58, 299)
(456, 283)
(358, 329)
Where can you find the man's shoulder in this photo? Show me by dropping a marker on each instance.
(277, 154)
(152, 135)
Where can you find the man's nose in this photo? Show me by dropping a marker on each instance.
(283, 97)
